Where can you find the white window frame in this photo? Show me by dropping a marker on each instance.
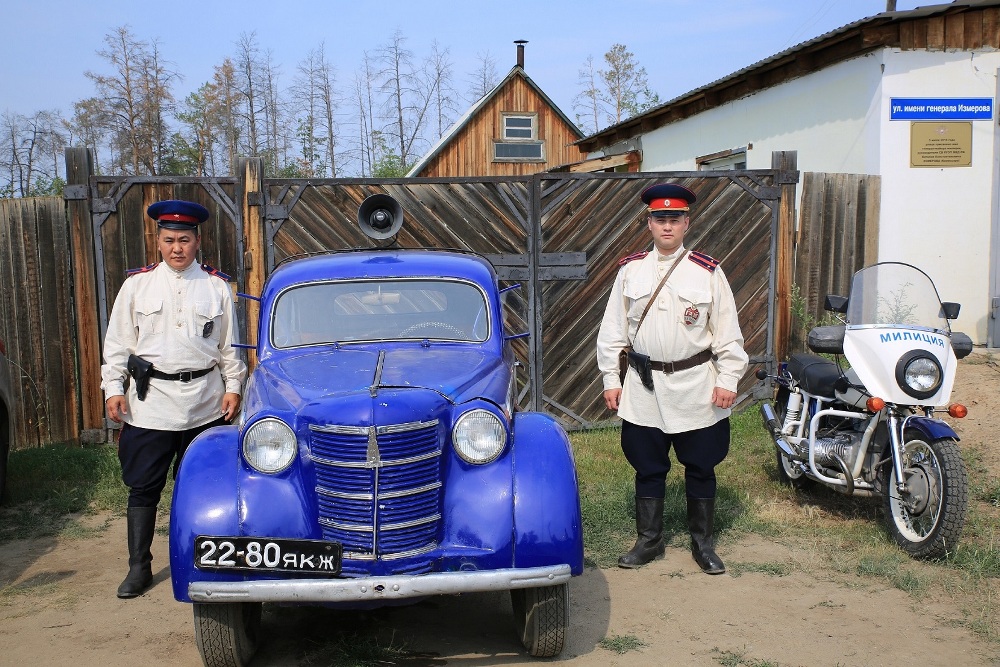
(521, 141)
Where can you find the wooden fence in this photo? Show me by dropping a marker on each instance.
(560, 235)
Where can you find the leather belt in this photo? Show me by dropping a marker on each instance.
(683, 364)
(183, 376)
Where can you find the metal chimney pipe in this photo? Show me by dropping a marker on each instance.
(520, 51)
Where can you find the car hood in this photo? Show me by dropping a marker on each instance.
(457, 374)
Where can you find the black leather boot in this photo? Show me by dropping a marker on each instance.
(141, 521)
(701, 514)
(649, 525)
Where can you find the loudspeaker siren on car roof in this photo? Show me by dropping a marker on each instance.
(380, 216)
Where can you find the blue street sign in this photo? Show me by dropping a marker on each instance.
(941, 108)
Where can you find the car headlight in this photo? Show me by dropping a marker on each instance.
(269, 445)
(479, 436)
(919, 374)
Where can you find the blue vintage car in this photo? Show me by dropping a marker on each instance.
(380, 457)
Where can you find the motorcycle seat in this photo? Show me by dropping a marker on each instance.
(815, 374)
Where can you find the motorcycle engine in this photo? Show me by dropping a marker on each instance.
(841, 445)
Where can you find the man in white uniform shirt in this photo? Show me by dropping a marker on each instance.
(177, 315)
(681, 393)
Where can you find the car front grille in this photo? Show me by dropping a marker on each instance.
(378, 490)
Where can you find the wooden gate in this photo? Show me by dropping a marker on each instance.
(559, 235)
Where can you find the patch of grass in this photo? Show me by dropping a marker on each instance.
(773, 569)
(49, 486)
(621, 643)
(355, 651)
(739, 659)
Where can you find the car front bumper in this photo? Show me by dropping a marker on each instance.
(373, 589)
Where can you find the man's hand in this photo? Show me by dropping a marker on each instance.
(115, 405)
(230, 405)
(612, 398)
(723, 398)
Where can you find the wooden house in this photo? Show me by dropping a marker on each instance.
(513, 130)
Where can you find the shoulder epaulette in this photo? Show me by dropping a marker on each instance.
(634, 256)
(703, 260)
(211, 270)
(144, 269)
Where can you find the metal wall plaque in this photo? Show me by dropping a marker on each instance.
(946, 144)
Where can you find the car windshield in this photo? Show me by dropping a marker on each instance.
(377, 310)
(895, 294)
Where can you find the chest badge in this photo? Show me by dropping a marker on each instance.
(207, 330)
(691, 315)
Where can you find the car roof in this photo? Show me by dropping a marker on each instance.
(369, 264)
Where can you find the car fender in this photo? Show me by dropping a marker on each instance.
(547, 519)
(205, 499)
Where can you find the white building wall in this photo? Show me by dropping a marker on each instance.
(828, 117)
(837, 120)
(941, 219)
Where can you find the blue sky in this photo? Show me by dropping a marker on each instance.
(683, 44)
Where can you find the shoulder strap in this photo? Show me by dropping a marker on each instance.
(652, 297)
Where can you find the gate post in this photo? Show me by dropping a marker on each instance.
(251, 202)
(79, 167)
(784, 161)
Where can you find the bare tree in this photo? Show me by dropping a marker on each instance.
(328, 103)
(407, 100)
(589, 102)
(364, 96)
(247, 81)
(439, 77)
(484, 78)
(134, 97)
(30, 150)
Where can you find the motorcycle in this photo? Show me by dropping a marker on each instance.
(871, 429)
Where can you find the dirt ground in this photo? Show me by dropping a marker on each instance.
(58, 607)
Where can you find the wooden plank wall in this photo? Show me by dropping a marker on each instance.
(36, 320)
(470, 151)
(596, 214)
(838, 235)
(604, 217)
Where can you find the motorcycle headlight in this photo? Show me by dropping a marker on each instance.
(478, 436)
(919, 374)
(269, 445)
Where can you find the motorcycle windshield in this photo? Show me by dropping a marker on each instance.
(895, 295)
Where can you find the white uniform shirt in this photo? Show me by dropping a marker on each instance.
(694, 311)
(161, 315)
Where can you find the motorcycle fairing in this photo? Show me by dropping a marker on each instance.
(873, 352)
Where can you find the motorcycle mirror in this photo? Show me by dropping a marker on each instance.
(835, 304)
(950, 309)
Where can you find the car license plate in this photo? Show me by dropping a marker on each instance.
(254, 554)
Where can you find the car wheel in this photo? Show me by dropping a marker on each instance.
(540, 617)
(226, 632)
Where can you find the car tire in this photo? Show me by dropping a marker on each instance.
(226, 633)
(540, 617)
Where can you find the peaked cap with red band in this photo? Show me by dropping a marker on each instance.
(177, 214)
(665, 199)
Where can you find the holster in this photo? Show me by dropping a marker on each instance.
(640, 363)
(140, 370)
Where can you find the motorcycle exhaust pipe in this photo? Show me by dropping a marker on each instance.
(771, 422)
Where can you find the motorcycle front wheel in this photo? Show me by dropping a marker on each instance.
(789, 473)
(926, 519)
